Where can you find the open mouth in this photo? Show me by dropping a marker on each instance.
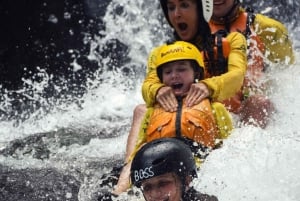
(182, 26)
(177, 86)
(216, 2)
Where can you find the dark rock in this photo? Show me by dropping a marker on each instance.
(37, 185)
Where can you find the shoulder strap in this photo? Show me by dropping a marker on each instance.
(250, 20)
(219, 65)
(221, 60)
(178, 117)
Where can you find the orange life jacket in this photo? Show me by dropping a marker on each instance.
(256, 49)
(196, 123)
(221, 53)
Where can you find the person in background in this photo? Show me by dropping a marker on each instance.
(163, 169)
(267, 41)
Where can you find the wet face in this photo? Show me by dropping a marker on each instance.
(183, 17)
(222, 7)
(179, 75)
(166, 187)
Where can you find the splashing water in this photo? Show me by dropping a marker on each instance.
(83, 136)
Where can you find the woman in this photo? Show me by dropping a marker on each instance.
(189, 19)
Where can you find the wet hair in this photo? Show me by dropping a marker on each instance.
(203, 40)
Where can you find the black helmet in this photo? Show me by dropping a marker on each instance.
(162, 156)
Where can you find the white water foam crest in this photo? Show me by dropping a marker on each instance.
(136, 24)
(253, 165)
(110, 99)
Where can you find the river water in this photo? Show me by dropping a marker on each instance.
(61, 153)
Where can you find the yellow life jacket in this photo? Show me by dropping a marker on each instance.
(196, 123)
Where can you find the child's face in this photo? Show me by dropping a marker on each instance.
(179, 75)
(163, 187)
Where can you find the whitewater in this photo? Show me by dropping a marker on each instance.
(253, 163)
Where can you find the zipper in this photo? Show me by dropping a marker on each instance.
(178, 117)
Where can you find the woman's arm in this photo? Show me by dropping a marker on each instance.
(228, 84)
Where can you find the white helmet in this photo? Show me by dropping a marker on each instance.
(207, 7)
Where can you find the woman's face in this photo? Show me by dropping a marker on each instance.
(183, 17)
(162, 188)
(179, 75)
(222, 7)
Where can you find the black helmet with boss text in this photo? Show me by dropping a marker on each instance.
(162, 156)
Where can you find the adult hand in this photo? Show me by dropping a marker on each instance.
(166, 98)
(197, 93)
